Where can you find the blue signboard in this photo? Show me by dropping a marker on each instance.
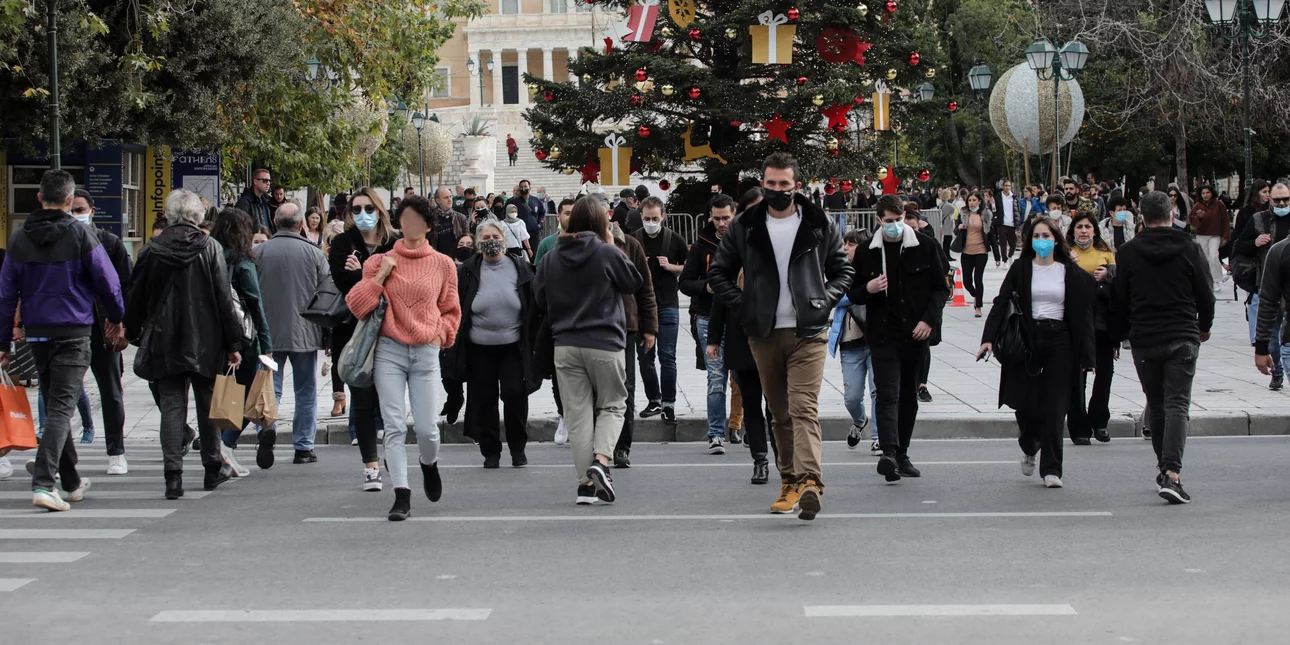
(198, 171)
(103, 181)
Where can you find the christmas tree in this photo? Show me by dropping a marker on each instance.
(702, 90)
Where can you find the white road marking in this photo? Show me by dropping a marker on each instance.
(10, 584)
(767, 516)
(64, 534)
(840, 464)
(319, 615)
(41, 557)
(87, 514)
(115, 494)
(881, 611)
(99, 480)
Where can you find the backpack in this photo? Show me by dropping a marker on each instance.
(1245, 268)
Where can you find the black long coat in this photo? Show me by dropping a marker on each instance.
(458, 361)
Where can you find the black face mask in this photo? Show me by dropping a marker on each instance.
(778, 199)
(481, 213)
(464, 253)
(524, 192)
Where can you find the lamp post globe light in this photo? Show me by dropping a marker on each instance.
(979, 77)
(418, 122)
(474, 71)
(1256, 20)
(1056, 64)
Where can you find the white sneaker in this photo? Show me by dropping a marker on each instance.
(371, 479)
(1052, 481)
(354, 441)
(117, 465)
(561, 434)
(1028, 465)
(238, 469)
(48, 500)
(875, 448)
(78, 495)
(6, 468)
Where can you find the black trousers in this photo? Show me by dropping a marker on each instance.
(629, 418)
(172, 393)
(1041, 421)
(340, 336)
(497, 371)
(105, 364)
(756, 427)
(365, 407)
(927, 364)
(974, 275)
(1007, 236)
(1081, 420)
(897, 366)
(946, 242)
(61, 365)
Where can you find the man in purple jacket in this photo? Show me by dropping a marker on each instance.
(56, 268)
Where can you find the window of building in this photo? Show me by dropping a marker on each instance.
(24, 190)
(560, 6)
(131, 196)
(443, 83)
(510, 6)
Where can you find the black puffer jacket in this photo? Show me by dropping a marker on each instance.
(818, 273)
(182, 286)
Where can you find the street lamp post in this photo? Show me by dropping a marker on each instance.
(979, 78)
(418, 122)
(55, 151)
(397, 108)
(470, 66)
(1056, 64)
(1255, 22)
(925, 93)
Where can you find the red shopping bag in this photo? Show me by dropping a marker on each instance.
(17, 428)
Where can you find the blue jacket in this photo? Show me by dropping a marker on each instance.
(839, 321)
(56, 267)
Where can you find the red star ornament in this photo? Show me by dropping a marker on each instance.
(777, 128)
(861, 48)
(590, 171)
(891, 183)
(837, 115)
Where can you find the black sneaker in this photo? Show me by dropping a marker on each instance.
(1171, 491)
(621, 460)
(906, 468)
(430, 481)
(716, 446)
(305, 457)
(924, 395)
(651, 410)
(1278, 381)
(669, 416)
(264, 449)
(1146, 433)
(888, 468)
(174, 484)
(856, 435)
(519, 460)
(586, 495)
(603, 481)
(402, 505)
(493, 461)
(216, 475)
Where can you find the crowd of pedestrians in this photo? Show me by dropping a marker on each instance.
(465, 293)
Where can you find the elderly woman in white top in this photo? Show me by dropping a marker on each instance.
(516, 233)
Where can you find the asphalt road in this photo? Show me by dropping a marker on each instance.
(971, 553)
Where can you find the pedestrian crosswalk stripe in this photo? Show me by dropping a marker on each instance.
(86, 514)
(10, 584)
(885, 611)
(319, 615)
(40, 557)
(64, 534)
(25, 482)
(97, 493)
(760, 516)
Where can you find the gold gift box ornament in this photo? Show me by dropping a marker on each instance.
(772, 39)
(615, 162)
(881, 107)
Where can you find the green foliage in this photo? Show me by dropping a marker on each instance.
(387, 163)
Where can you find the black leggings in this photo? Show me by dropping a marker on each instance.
(756, 430)
(974, 275)
(366, 409)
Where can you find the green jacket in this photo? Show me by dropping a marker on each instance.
(246, 282)
(545, 246)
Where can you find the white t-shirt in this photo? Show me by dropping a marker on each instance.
(516, 233)
(1007, 209)
(782, 234)
(1048, 292)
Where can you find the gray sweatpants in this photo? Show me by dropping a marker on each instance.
(593, 388)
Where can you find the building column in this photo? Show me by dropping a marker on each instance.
(548, 68)
(476, 93)
(522, 61)
(573, 55)
(497, 77)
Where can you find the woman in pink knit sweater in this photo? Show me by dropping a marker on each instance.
(422, 314)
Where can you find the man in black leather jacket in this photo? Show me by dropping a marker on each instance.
(795, 271)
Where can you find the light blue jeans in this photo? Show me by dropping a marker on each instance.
(717, 378)
(304, 379)
(857, 367)
(1274, 339)
(410, 371)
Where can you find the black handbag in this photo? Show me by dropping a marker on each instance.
(1011, 344)
(960, 240)
(328, 308)
(860, 314)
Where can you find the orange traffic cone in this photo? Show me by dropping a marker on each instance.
(960, 294)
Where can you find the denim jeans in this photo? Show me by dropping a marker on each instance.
(717, 377)
(408, 372)
(1166, 372)
(857, 367)
(82, 406)
(669, 325)
(304, 376)
(61, 364)
(1274, 338)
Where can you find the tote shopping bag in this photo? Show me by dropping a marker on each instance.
(227, 402)
(355, 363)
(261, 403)
(17, 428)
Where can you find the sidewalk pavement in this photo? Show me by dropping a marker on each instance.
(1229, 397)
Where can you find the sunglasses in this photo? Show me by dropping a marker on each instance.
(1282, 201)
(356, 209)
(262, 179)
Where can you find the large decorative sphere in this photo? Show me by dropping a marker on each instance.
(1021, 110)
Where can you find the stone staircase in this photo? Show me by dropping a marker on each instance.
(506, 177)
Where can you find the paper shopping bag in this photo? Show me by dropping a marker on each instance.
(17, 429)
(261, 403)
(227, 402)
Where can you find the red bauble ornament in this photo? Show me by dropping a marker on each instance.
(736, 123)
(834, 152)
(540, 154)
(641, 74)
(794, 14)
(846, 185)
(924, 175)
(664, 184)
(891, 6)
(643, 131)
(695, 33)
(859, 100)
(609, 46)
(637, 100)
(694, 92)
(801, 80)
(953, 106)
(839, 127)
(548, 96)
(914, 58)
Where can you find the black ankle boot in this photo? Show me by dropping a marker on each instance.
(402, 505)
(174, 484)
(431, 481)
(216, 475)
(761, 468)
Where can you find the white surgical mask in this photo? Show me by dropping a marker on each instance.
(83, 218)
(652, 228)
